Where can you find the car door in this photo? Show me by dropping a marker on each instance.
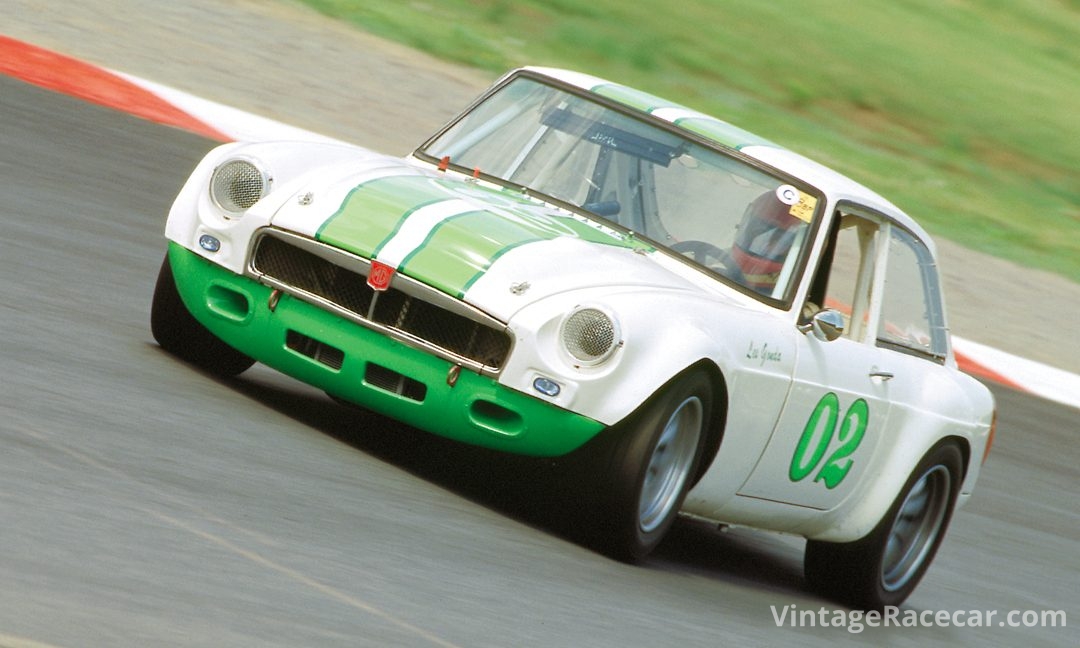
(838, 408)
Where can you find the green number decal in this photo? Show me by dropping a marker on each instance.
(818, 435)
(851, 433)
(815, 437)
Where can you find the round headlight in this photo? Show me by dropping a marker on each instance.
(590, 335)
(237, 185)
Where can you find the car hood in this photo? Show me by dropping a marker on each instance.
(491, 247)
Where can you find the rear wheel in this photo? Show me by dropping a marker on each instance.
(652, 460)
(179, 333)
(883, 568)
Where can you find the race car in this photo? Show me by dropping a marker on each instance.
(572, 267)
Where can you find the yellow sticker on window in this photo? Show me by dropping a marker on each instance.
(804, 209)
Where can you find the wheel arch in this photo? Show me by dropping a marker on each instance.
(718, 417)
(847, 524)
(965, 453)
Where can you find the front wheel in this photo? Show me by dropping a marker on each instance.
(883, 568)
(651, 462)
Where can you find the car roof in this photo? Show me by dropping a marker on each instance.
(835, 185)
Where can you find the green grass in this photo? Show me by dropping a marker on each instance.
(964, 113)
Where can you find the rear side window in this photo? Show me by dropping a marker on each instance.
(912, 316)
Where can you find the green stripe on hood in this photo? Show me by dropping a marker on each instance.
(462, 246)
(374, 210)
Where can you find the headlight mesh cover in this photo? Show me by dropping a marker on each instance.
(237, 185)
(590, 335)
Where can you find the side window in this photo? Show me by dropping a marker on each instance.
(912, 317)
(848, 282)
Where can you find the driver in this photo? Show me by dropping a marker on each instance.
(763, 241)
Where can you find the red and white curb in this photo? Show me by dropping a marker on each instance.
(169, 106)
(1019, 373)
(139, 97)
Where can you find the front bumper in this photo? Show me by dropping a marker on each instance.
(368, 368)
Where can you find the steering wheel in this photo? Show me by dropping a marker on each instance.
(705, 253)
(712, 257)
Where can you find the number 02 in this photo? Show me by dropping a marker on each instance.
(818, 435)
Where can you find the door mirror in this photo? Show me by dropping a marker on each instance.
(826, 325)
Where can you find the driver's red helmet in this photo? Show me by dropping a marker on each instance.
(763, 241)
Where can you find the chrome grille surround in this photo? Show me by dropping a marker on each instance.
(409, 311)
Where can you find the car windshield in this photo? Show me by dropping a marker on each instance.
(731, 217)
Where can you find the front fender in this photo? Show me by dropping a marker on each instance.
(289, 165)
(663, 333)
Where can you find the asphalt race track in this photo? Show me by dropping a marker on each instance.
(143, 503)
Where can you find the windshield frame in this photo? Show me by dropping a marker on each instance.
(798, 269)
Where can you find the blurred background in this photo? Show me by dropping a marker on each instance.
(963, 112)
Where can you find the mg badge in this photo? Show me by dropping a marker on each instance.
(380, 276)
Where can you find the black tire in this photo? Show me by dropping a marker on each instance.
(179, 333)
(883, 568)
(650, 463)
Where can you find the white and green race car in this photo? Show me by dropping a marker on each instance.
(575, 268)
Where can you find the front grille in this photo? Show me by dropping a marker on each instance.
(333, 276)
